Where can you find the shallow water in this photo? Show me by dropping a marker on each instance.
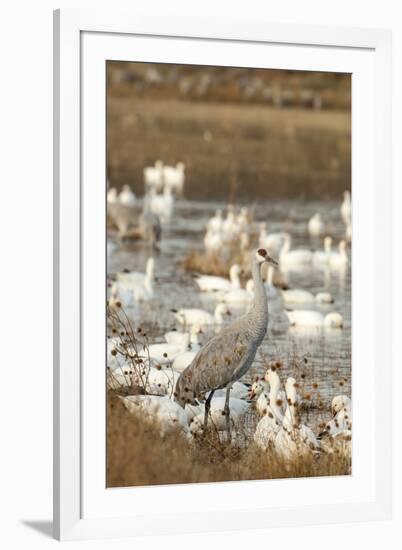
(320, 360)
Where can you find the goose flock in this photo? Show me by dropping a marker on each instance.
(199, 373)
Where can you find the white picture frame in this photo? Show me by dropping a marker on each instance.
(83, 507)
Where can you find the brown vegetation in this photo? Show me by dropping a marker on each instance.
(231, 152)
(137, 455)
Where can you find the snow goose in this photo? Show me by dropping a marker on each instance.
(273, 242)
(339, 259)
(297, 296)
(272, 292)
(294, 259)
(242, 220)
(191, 316)
(324, 298)
(157, 380)
(237, 296)
(216, 222)
(346, 208)
(153, 176)
(121, 296)
(174, 177)
(314, 319)
(239, 390)
(182, 360)
(213, 283)
(315, 225)
(321, 258)
(165, 353)
(337, 434)
(126, 196)
(294, 439)
(133, 278)
(213, 241)
(270, 424)
(166, 412)
(162, 204)
(112, 195)
(260, 391)
(141, 284)
(217, 417)
(230, 228)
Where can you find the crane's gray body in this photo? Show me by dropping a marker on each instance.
(230, 354)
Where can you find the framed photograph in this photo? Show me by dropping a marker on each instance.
(222, 319)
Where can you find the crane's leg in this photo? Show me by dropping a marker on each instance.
(207, 407)
(227, 414)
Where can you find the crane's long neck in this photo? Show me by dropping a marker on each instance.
(258, 312)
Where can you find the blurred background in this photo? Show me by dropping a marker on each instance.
(240, 132)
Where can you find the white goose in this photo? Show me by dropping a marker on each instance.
(270, 424)
(153, 176)
(158, 381)
(337, 434)
(294, 439)
(315, 225)
(174, 177)
(141, 284)
(346, 208)
(238, 409)
(314, 319)
(272, 292)
(121, 295)
(126, 196)
(216, 222)
(238, 296)
(166, 412)
(182, 360)
(209, 283)
(273, 242)
(162, 204)
(112, 195)
(324, 298)
(177, 338)
(321, 258)
(230, 228)
(294, 259)
(297, 296)
(339, 259)
(213, 241)
(132, 278)
(165, 353)
(200, 317)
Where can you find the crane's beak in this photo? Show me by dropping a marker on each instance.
(270, 260)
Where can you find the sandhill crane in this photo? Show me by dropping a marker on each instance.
(230, 354)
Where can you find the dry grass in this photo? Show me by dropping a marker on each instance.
(219, 264)
(215, 264)
(137, 455)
